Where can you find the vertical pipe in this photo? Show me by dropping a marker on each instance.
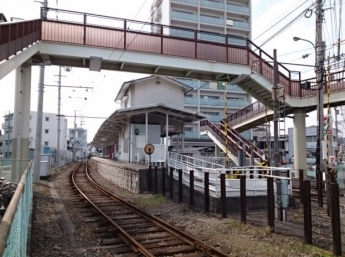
(336, 231)
(320, 188)
(38, 141)
(124, 34)
(180, 196)
(275, 110)
(167, 139)
(270, 203)
(207, 191)
(307, 212)
(156, 180)
(223, 194)
(243, 192)
(171, 186)
(163, 181)
(191, 188)
(162, 39)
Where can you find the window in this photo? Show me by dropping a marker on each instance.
(213, 97)
(188, 129)
(30, 130)
(46, 143)
(30, 117)
(211, 113)
(188, 95)
(47, 118)
(46, 131)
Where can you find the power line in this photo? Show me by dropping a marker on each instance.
(280, 20)
(265, 10)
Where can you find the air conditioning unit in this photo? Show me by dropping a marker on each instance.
(230, 23)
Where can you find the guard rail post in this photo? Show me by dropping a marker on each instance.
(270, 203)
(336, 226)
(156, 180)
(180, 198)
(171, 184)
(223, 194)
(207, 191)
(307, 212)
(149, 182)
(243, 199)
(163, 181)
(191, 188)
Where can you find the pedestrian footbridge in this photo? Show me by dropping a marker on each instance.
(100, 42)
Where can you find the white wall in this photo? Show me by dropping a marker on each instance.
(148, 92)
(51, 126)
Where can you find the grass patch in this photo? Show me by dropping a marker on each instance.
(152, 201)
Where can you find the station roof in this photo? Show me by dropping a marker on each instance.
(108, 133)
(127, 84)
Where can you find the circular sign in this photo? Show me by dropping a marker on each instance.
(149, 149)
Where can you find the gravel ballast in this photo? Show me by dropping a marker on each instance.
(49, 239)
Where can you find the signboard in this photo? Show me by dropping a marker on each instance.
(149, 149)
(170, 128)
(326, 130)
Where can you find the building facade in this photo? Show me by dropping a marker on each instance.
(232, 18)
(49, 133)
(78, 142)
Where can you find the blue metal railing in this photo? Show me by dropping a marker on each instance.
(15, 223)
(237, 8)
(184, 16)
(195, 2)
(211, 20)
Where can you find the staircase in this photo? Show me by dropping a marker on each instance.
(235, 142)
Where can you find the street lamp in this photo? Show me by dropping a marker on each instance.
(319, 80)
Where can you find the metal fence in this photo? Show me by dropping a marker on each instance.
(15, 222)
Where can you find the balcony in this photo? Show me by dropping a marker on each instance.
(211, 20)
(215, 118)
(229, 7)
(193, 2)
(194, 135)
(238, 9)
(212, 4)
(184, 16)
(238, 24)
(4, 149)
(215, 102)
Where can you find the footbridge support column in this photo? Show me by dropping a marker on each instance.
(21, 121)
(299, 140)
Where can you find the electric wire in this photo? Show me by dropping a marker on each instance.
(281, 20)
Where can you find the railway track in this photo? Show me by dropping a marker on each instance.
(130, 230)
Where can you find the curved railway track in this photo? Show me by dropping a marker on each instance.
(135, 232)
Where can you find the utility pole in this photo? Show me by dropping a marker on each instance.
(58, 123)
(38, 141)
(320, 57)
(276, 156)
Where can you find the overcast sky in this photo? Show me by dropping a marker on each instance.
(100, 100)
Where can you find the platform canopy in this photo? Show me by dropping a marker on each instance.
(108, 133)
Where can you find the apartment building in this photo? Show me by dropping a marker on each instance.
(78, 141)
(232, 18)
(49, 133)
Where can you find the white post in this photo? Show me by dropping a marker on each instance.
(147, 128)
(182, 140)
(38, 141)
(299, 141)
(21, 121)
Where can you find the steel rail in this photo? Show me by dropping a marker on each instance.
(127, 238)
(178, 233)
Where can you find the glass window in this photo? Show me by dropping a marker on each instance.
(47, 118)
(46, 131)
(46, 143)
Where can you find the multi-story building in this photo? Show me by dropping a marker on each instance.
(49, 133)
(232, 18)
(78, 142)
